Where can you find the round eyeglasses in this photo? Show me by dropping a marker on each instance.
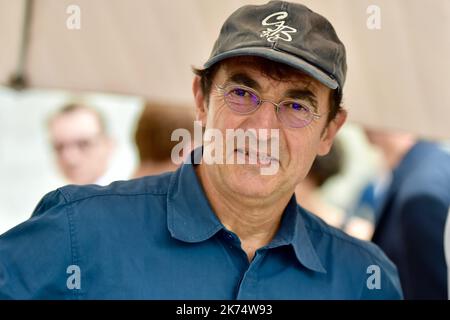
(244, 100)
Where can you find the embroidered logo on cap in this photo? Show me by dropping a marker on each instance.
(281, 31)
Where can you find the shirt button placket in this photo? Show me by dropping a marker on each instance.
(248, 288)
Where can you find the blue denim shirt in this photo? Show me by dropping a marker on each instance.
(158, 238)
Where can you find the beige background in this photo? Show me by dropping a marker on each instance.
(398, 76)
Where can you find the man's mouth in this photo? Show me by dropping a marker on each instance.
(255, 157)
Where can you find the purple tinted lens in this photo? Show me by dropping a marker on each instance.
(294, 114)
(241, 100)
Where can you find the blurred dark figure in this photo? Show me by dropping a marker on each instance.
(307, 193)
(392, 146)
(447, 250)
(82, 146)
(153, 136)
(411, 219)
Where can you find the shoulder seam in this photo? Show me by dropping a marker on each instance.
(71, 201)
(73, 250)
(63, 194)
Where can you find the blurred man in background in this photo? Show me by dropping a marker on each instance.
(412, 212)
(153, 136)
(82, 147)
(392, 147)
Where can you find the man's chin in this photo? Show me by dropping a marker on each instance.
(248, 180)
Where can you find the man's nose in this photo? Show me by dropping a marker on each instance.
(69, 154)
(265, 117)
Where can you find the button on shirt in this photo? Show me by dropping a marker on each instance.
(158, 238)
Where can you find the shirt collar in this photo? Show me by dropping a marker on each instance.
(293, 232)
(190, 218)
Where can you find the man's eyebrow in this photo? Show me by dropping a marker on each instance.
(303, 94)
(242, 78)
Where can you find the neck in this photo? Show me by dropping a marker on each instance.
(254, 221)
(305, 194)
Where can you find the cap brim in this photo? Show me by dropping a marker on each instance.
(278, 56)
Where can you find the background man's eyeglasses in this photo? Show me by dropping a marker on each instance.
(83, 145)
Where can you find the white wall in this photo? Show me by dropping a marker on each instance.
(27, 167)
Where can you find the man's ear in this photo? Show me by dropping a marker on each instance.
(326, 140)
(201, 108)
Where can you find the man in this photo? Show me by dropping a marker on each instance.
(82, 147)
(211, 230)
(392, 147)
(411, 219)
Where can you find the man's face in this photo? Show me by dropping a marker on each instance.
(81, 148)
(297, 146)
